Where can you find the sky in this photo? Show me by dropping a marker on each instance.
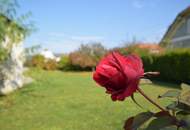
(62, 25)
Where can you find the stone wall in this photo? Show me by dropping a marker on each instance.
(11, 70)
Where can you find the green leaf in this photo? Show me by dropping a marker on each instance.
(135, 122)
(162, 113)
(179, 106)
(141, 118)
(183, 112)
(128, 123)
(171, 94)
(160, 123)
(173, 106)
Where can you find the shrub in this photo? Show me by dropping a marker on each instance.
(132, 49)
(41, 62)
(83, 59)
(174, 65)
(64, 63)
(50, 65)
(38, 61)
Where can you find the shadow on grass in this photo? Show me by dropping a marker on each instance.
(166, 84)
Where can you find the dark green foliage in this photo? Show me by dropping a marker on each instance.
(173, 65)
(135, 122)
(64, 63)
(176, 116)
(161, 123)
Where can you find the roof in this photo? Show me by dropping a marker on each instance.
(176, 23)
(149, 46)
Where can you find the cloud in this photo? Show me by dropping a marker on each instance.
(138, 4)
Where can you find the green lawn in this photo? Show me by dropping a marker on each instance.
(68, 101)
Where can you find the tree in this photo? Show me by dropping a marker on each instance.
(12, 32)
(12, 28)
(88, 55)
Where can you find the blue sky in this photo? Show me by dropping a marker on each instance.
(64, 24)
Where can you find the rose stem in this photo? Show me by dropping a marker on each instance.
(150, 100)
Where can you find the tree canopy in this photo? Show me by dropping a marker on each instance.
(12, 27)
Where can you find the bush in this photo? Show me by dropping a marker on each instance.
(85, 58)
(38, 61)
(82, 60)
(50, 65)
(41, 62)
(64, 63)
(133, 49)
(174, 65)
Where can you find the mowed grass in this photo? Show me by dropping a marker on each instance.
(69, 101)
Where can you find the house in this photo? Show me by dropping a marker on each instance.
(49, 55)
(178, 33)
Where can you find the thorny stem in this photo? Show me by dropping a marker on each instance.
(149, 99)
(149, 74)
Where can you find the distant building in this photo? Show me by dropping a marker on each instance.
(49, 55)
(178, 33)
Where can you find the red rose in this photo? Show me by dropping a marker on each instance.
(119, 74)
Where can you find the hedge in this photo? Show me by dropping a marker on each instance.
(172, 65)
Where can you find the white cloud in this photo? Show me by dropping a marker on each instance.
(138, 4)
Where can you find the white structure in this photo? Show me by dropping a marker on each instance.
(11, 68)
(49, 55)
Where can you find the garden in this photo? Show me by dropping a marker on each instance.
(68, 101)
(133, 86)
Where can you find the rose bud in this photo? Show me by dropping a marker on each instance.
(119, 74)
